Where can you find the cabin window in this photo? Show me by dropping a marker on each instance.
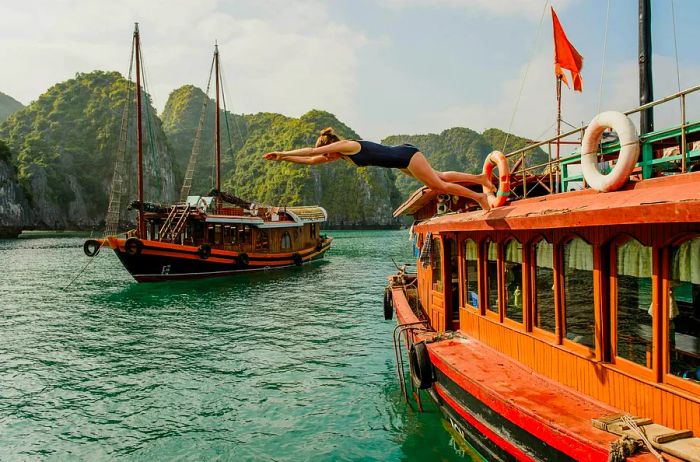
(491, 250)
(217, 234)
(578, 292)
(684, 311)
(544, 317)
(513, 271)
(633, 269)
(244, 234)
(286, 241)
(232, 234)
(471, 284)
(261, 240)
(436, 264)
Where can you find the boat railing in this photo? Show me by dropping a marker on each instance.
(562, 172)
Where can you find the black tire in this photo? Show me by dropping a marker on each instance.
(133, 246)
(204, 251)
(421, 368)
(388, 305)
(297, 259)
(91, 247)
(243, 260)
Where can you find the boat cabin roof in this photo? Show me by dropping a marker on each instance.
(259, 216)
(658, 200)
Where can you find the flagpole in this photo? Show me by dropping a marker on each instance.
(558, 131)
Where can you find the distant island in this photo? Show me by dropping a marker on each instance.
(57, 156)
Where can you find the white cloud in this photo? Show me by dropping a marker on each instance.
(527, 8)
(276, 55)
(537, 108)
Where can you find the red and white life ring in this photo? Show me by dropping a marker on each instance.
(499, 160)
(626, 160)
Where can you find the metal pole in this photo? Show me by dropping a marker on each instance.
(646, 86)
(218, 122)
(556, 186)
(683, 140)
(139, 133)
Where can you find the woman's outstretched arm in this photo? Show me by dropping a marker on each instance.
(342, 147)
(313, 160)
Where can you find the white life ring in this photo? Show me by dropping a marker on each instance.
(627, 159)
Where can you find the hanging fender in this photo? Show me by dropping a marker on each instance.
(243, 260)
(91, 247)
(204, 251)
(297, 259)
(421, 368)
(133, 246)
(626, 160)
(499, 160)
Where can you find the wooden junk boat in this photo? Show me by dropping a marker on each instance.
(548, 328)
(205, 236)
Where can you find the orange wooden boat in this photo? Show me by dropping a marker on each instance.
(203, 236)
(551, 327)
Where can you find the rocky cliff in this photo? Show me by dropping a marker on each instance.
(65, 146)
(14, 208)
(8, 106)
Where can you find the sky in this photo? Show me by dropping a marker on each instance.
(383, 67)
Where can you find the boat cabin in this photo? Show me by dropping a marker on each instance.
(239, 227)
(597, 291)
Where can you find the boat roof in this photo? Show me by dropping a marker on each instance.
(670, 199)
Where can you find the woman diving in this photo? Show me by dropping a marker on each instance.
(406, 157)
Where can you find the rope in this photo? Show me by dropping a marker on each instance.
(83, 270)
(149, 127)
(602, 64)
(629, 421)
(527, 68)
(226, 114)
(675, 44)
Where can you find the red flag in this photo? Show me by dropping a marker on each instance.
(566, 56)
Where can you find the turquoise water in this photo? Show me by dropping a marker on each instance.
(285, 366)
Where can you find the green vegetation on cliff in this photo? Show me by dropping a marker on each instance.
(353, 197)
(8, 106)
(66, 143)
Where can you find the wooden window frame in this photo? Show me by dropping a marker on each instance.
(462, 258)
(498, 314)
(667, 377)
(517, 325)
(617, 362)
(575, 347)
(537, 332)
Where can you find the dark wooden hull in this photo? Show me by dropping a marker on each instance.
(158, 261)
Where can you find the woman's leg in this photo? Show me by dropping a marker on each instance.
(459, 177)
(422, 171)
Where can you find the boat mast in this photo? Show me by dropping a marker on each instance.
(139, 133)
(646, 87)
(218, 121)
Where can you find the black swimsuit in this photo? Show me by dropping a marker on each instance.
(383, 156)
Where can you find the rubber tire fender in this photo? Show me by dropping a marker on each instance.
(388, 305)
(420, 365)
(204, 251)
(133, 246)
(298, 260)
(91, 247)
(243, 260)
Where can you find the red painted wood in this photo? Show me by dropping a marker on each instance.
(488, 432)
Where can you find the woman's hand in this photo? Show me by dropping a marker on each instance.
(276, 156)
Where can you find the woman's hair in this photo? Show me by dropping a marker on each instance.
(327, 136)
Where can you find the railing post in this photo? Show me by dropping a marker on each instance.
(647, 157)
(522, 169)
(683, 142)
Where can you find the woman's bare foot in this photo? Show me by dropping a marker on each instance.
(487, 184)
(492, 200)
(485, 202)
